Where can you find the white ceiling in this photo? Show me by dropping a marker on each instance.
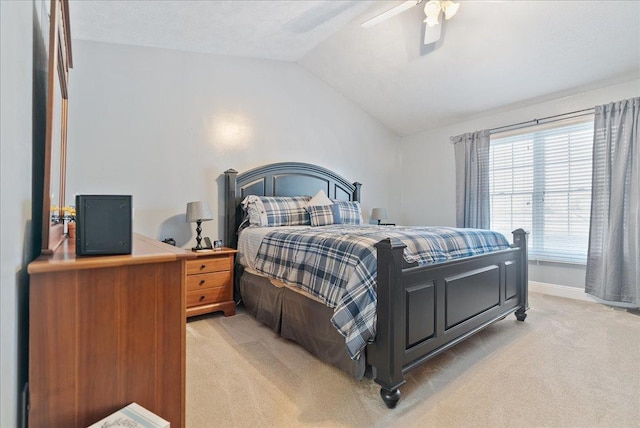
(493, 55)
(280, 30)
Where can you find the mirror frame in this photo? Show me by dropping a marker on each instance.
(59, 63)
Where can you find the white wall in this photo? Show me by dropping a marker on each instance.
(16, 52)
(164, 125)
(428, 195)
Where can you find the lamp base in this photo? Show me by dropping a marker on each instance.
(198, 246)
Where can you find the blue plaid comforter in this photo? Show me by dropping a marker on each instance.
(338, 265)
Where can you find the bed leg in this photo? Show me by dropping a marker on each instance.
(390, 398)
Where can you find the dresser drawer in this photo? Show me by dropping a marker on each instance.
(208, 280)
(208, 295)
(203, 265)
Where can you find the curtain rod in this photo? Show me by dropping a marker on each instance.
(548, 119)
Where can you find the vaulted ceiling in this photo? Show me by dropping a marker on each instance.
(492, 56)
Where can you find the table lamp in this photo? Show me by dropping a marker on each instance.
(379, 214)
(197, 212)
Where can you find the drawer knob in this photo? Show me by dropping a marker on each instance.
(201, 298)
(202, 281)
(203, 266)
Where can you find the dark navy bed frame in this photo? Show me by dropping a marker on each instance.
(421, 311)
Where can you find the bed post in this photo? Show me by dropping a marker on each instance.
(520, 240)
(387, 350)
(230, 207)
(356, 192)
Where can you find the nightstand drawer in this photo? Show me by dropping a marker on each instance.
(205, 265)
(208, 280)
(208, 295)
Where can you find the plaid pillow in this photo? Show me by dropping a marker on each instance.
(323, 215)
(277, 210)
(350, 212)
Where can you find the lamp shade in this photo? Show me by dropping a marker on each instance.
(450, 8)
(432, 20)
(379, 214)
(432, 8)
(198, 211)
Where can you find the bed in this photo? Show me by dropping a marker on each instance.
(421, 310)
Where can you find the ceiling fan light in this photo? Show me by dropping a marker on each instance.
(432, 8)
(432, 20)
(450, 8)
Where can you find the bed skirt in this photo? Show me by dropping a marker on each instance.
(299, 318)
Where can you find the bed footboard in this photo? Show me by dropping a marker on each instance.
(422, 311)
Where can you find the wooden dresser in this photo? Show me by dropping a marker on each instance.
(107, 331)
(210, 283)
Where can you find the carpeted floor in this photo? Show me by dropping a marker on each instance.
(570, 364)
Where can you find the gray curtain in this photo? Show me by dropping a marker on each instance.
(472, 179)
(613, 261)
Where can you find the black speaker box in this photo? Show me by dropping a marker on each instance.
(103, 224)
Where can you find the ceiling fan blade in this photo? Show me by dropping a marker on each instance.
(391, 12)
(432, 34)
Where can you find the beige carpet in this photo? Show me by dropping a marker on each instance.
(570, 364)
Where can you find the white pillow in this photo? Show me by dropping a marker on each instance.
(320, 200)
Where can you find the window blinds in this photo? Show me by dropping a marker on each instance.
(541, 181)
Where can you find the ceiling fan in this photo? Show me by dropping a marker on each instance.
(432, 9)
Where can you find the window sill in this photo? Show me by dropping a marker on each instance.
(543, 262)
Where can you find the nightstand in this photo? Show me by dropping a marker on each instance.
(210, 283)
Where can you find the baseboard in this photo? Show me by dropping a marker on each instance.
(560, 291)
(571, 293)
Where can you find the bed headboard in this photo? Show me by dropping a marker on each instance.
(280, 179)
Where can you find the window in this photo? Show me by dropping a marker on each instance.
(541, 181)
